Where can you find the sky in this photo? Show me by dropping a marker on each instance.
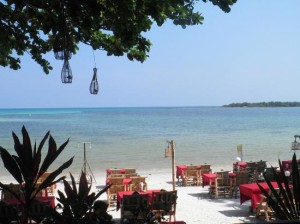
(251, 54)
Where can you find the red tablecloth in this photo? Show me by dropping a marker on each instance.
(50, 199)
(121, 194)
(210, 177)
(108, 171)
(287, 164)
(252, 192)
(239, 166)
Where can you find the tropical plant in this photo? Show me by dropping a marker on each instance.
(27, 167)
(285, 203)
(76, 203)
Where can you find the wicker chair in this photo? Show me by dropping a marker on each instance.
(138, 184)
(134, 207)
(191, 177)
(222, 185)
(164, 203)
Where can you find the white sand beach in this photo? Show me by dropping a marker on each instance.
(193, 203)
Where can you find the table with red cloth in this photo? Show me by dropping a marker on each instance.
(252, 192)
(239, 165)
(208, 178)
(126, 182)
(121, 194)
(180, 169)
(14, 201)
(287, 164)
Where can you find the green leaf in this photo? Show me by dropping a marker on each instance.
(11, 165)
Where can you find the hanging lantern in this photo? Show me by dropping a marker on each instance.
(66, 72)
(62, 55)
(94, 86)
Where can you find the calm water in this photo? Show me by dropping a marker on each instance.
(136, 137)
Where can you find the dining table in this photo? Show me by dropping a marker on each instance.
(180, 170)
(111, 170)
(252, 192)
(209, 178)
(121, 194)
(126, 182)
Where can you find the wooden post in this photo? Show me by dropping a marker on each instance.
(173, 163)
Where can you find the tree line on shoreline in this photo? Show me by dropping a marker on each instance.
(264, 104)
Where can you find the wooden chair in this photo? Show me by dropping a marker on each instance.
(164, 203)
(205, 168)
(191, 177)
(39, 210)
(115, 180)
(138, 184)
(112, 193)
(13, 187)
(134, 207)
(221, 186)
(50, 190)
(242, 177)
(263, 207)
(8, 213)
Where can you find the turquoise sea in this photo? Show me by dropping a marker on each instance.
(136, 137)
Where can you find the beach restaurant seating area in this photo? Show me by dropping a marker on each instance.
(9, 205)
(130, 193)
(240, 181)
(123, 179)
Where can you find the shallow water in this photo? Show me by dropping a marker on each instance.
(136, 137)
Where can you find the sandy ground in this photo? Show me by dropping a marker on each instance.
(193, 204)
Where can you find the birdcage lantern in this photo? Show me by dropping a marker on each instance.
(66, 72)
(94, 86)
(62, 55)
(295, 144)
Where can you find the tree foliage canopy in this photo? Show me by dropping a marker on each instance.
(37, 27)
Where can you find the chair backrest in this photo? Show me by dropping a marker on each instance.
(164, 200)
(130, 170)
(222, 178)
(116, 175)
(114, 189)
(135, 203)
(39, 210)
(242, 177)
(8, 212)
(116, 171)
(137, 182)
(205, 168)
(13, 187)
(43, 177)
(115, 180)
(261, 166)
(129, 175)
(191, 167)
(192, 173)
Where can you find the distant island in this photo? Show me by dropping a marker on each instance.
(264, 104)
